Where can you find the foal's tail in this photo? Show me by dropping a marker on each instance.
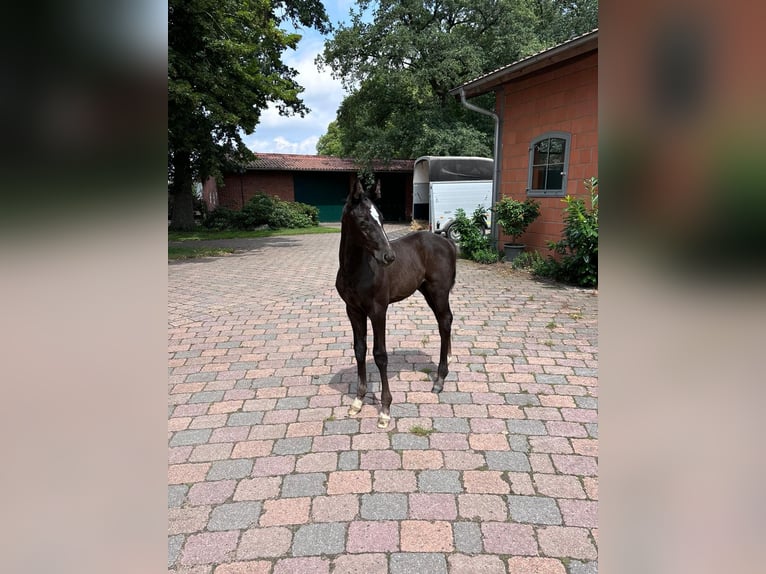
(453, 260)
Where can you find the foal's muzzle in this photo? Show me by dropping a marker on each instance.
(385, 257)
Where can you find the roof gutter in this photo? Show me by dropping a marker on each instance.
(495, 156)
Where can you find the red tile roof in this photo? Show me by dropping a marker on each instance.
(294, 162)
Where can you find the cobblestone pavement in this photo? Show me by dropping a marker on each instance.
(269, 475)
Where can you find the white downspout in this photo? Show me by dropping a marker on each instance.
(496, 158)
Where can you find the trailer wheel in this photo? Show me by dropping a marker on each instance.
(452, 233)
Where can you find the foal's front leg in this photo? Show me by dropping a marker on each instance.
(378, 320)
(359, 326)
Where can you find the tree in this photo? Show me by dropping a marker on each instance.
(400, 67)
(224, 69)
(331, 143)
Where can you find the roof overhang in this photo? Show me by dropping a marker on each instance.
(536, 62)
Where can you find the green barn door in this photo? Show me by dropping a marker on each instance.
(326, 191)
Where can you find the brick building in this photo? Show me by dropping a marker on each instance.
(547, 105)
(321, 181)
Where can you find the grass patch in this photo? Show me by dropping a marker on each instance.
(203, 234)
(418, 430)
(195, 252)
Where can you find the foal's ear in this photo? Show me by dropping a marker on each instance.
(375, 193)
(358, 192)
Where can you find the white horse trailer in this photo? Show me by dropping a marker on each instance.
(442, 185)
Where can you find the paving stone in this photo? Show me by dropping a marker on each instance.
(482, 507)
(439, 481)
(462, 564)
(505, 538)
(206, 397)
(309, 484)
(566, 542)
(244, 419)
(535, 565)
(174, 548)
(467, 537)
(214, 492)
(348, 460)
(455, 398)
(580, 513)
(507, 460)
(432, 506)
(347, 426)
(190, 437)
(586, 402)
(426, 536)
(522, 399)
(394, 481)
(264, 543)
(372, 536)
(176, 495)
(302, 565)
(592, 429)
(578, 567)
(384, 506)
(319, 539)
(451, 425)
(234, 516)
(533, 510)
(298, 445)
(407, 441)
(209, 547)
(339, 508)
(527, 427)
(361, 563)
(292, 403)
(222, 469)
(285, 511)
(418, 563)
(518, 443)
(349, 482)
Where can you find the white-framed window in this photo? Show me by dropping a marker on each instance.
(548, 165)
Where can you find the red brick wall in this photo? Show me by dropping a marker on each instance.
(564, 99)
(237, 189)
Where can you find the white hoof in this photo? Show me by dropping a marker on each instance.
(355, 407)
(383, 420)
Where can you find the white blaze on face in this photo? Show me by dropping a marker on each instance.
(375, 215)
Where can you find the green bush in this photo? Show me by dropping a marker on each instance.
(578, 247)
(220, 218)
(264, 210)
(474, 243)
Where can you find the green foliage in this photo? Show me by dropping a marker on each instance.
(515, 216)
(579, 246)
(224, 68)
(263, 210)
(400, 65)
(331, 143)
(474, 243)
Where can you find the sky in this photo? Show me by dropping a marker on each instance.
(322, 95)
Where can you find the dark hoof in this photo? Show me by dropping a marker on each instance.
(437, 388)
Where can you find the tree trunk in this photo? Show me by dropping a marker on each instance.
(181, 190)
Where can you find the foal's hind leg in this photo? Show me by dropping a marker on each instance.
(359, 326)
(438, 300)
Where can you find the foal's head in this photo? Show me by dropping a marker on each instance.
(362, 220)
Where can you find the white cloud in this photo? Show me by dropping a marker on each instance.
(280, 144)
(322, 95)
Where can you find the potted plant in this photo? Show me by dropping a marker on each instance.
(514, 217)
